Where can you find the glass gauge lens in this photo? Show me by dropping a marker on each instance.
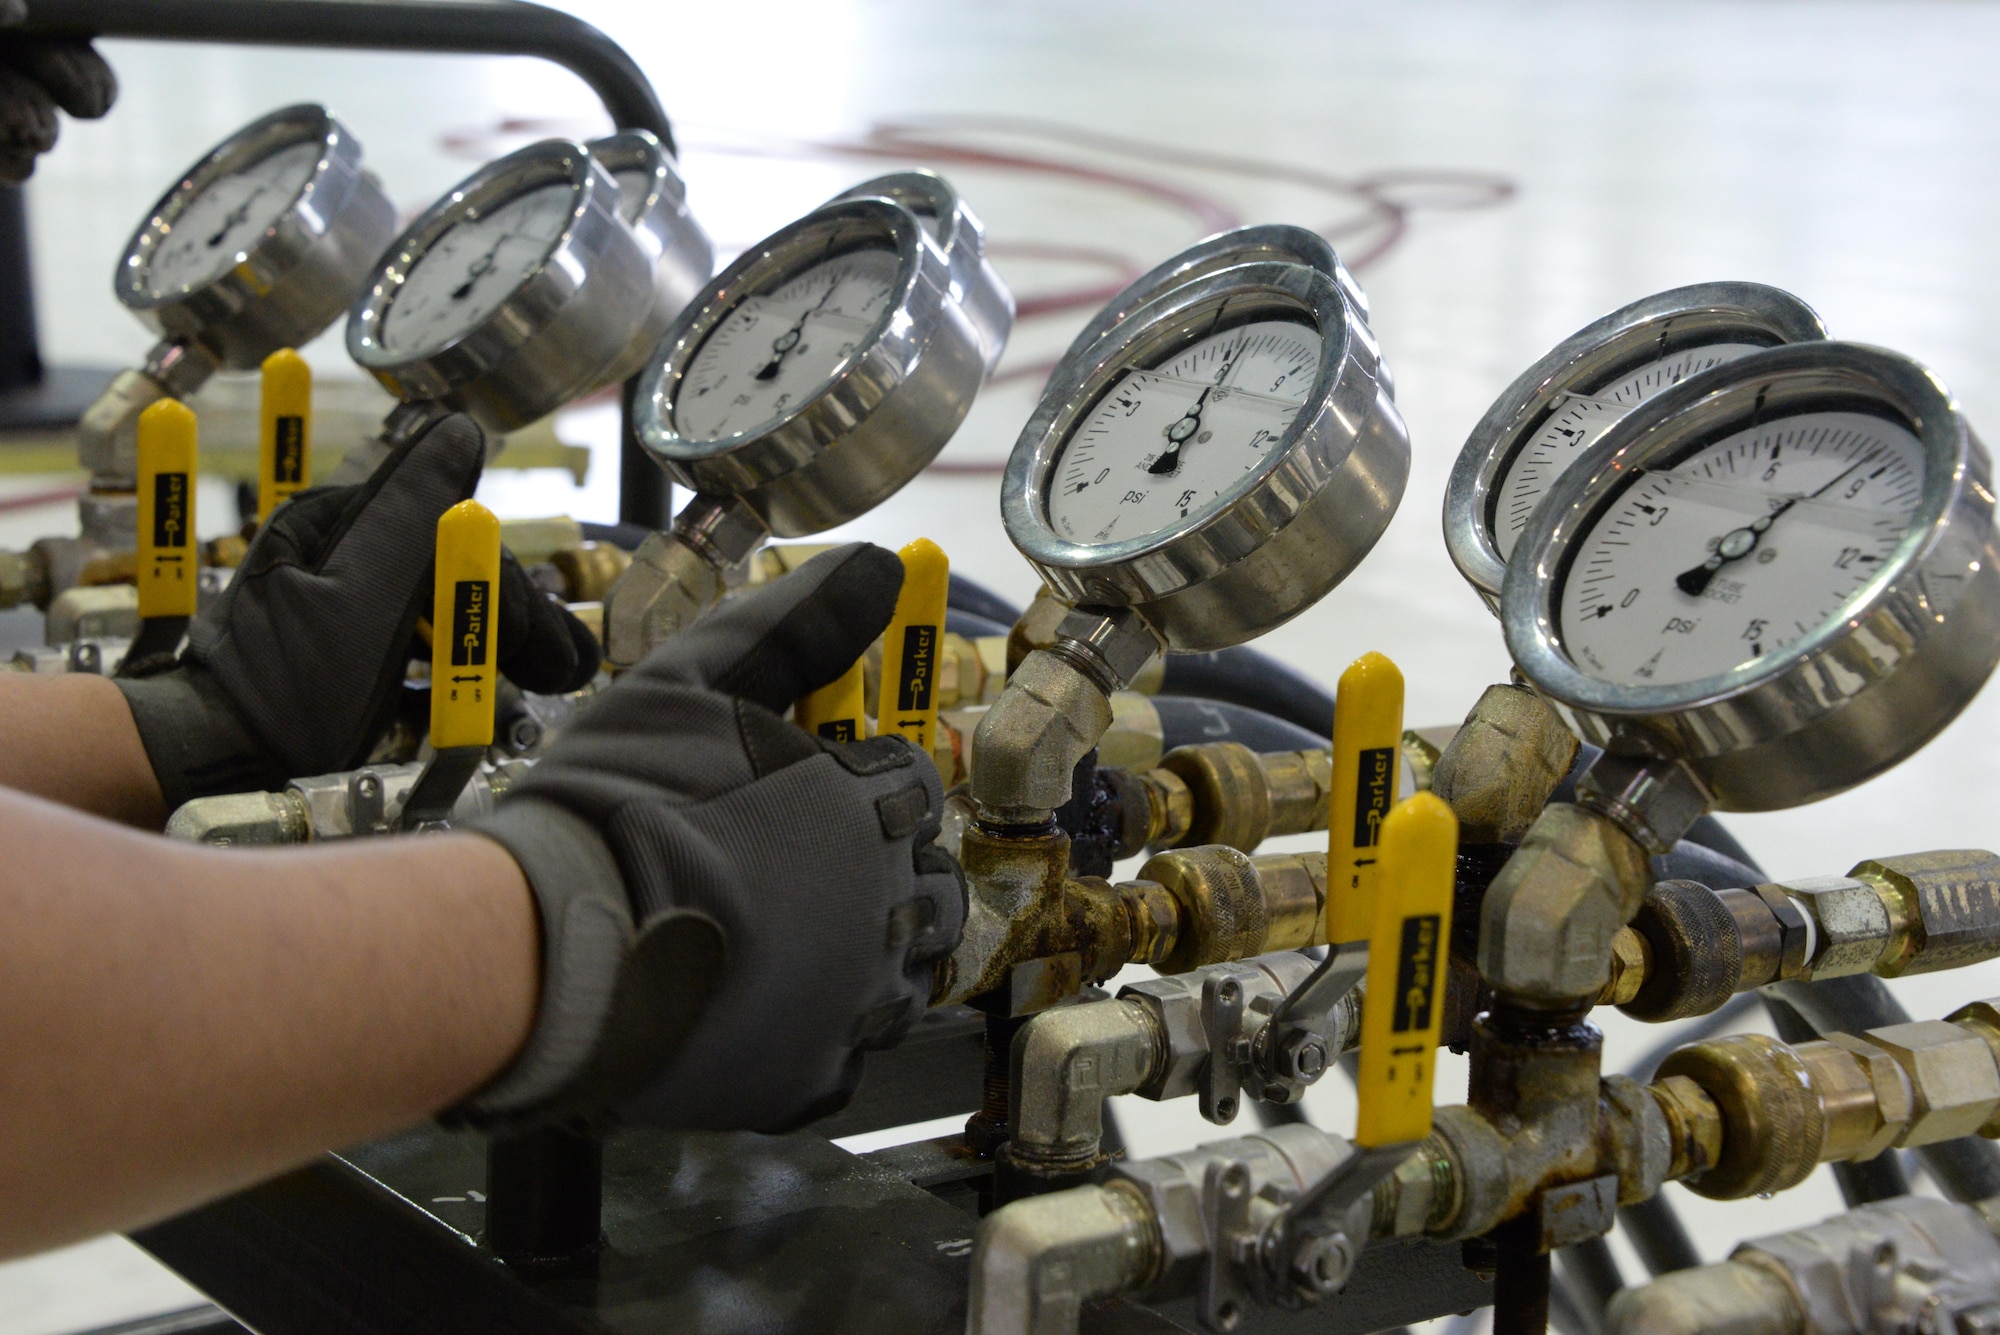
(218, 223)
(1169, 445)
(1581, 419)
(778, 349)
(473, 267)
(1739, 550)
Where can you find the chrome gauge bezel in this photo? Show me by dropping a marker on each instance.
(1599, 354)
(1303, 522)
(555, 334)
(1278, 243)
(1861, 692)
(975, 285)
(683, 257)
(887, 411)
(301, 273)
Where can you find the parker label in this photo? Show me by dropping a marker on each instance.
(1416, 973)
(170, 518)
(288, 463)
(1374, 788)
(471, 621)
(913, 686)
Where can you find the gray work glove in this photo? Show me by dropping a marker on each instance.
(732, 909)
(38, 75)
(295, 669)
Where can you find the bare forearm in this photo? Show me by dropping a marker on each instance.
(70, 739)
(176, 1022)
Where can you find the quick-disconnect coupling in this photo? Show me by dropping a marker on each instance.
(1786, 1108)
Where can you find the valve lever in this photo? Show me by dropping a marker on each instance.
(837, 711)
(168, 564)
(911, 645)
(284, 431)
(1367, 737)
(1400, 1022)
(464, 660)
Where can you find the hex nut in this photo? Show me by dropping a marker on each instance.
(1174, 1203)
(1694, 1126)
(1956, 1084)
(1631, 961)
(1850, 922)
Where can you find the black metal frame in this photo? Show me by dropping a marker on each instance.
(466, 27)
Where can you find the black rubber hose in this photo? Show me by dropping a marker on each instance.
(1964, 1170)
(970, 624)
(1654, 1229)
(963, 595)
(1242, 676)
(626, 536)
(1690, 861)
(1590, 1272)
(1184, 722)
(1876, 1179)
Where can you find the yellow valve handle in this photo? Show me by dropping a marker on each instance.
(1404, 1007)
(911, 645)
(284, 431)
(837, 710)
(464, 662)
(167, 557)
(1367, 741)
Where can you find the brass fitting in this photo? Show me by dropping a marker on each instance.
(1631, 964)
(673, 578)
(1028, 743)
(1036, 629)
(1499, 768)
(664, 587)
(23, 579)
(1890, 916)
(589, 570)
(1040, 935)
(1234, 905)
(1551, 915)
(1236, 796)
(1787, 1108)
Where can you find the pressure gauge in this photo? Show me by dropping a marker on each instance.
(652, 201)
(817, 374)
(1279, 243)
(262, 243)
(519, 290)
(1217, 461)
(1782, 573)
(975, 286)
(1588, 381)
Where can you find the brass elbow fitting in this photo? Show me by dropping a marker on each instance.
(1787, 1108)
(1550, 917)
(1051, 713)
(673, 578)
(1499, 768)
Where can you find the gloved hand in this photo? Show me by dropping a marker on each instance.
(37, 75)
(731, 908)
(294, 670)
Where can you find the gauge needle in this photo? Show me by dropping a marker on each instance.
(1187, 424)
(788, 340)
(481, 267)
(1740, 542)
(236, 215)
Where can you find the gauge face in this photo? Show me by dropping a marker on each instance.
(1168, 446)
(778, 349)
(1582, 419)
(473, 267)
(1739, 551)
(225, 217)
